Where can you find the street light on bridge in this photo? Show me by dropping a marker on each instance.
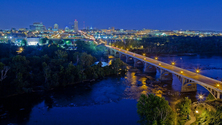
(156, 58)
(144, 54)
(127, 49)
(181, 72)
(197, 71)
(173, 63)
(159, 64)
(218, 85)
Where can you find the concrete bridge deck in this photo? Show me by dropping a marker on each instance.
(204, 81)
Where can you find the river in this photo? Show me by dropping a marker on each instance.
(111, 101)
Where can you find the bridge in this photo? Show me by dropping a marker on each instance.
(188, 79)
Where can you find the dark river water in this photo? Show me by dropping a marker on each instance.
(111, 101)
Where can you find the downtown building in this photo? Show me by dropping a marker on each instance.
(37, 27)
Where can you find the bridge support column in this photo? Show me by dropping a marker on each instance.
(188, 85)
(127, 58)
(149, 68)
(135, 60)
(120, 54)
(218, 95)
(165, 76)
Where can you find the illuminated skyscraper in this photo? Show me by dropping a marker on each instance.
(76, 26)
(37, 27)
(56, 26)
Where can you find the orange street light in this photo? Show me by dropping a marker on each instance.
(156, 58)
(21, 49)
(181, 72)
(144, 54)
(197, 111)
(159, 64)
(197, 71)
(127, 49)
(218, 85)
(173, 63)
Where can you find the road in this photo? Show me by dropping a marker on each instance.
(198, 78)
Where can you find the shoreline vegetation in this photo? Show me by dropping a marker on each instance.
(43, 68)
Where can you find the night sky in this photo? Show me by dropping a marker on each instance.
(126, 14)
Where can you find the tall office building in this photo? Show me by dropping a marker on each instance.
(76, 26)
(37, 26)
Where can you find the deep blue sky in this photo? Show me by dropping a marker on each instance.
(127, 14)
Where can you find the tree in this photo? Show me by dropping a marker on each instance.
(50, 41)
(20, 68)
(184, 107)
(4, 69)
(154, 110)
(43, 41)
(86, 60)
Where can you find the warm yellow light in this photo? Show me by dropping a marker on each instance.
(197, 71)
(144, 54)
(156, 58)
(144, 58)
(181, 72)
(127, 49)
(200, 96)
(21, 49)
(218, 85)
(159, 64)
(197, 111)
(173, 63)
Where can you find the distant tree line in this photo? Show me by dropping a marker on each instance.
(174, 45)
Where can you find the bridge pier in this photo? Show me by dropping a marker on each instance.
(218, 95)
(129, 59)
(120, 54)
(135, 60)
(165, 76)
(187, 85)
(149, 68)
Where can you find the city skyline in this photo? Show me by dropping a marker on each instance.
(161, 15)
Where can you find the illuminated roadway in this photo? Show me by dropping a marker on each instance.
(197, 78)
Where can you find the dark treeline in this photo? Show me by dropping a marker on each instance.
(28, 68)
(174, 45)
